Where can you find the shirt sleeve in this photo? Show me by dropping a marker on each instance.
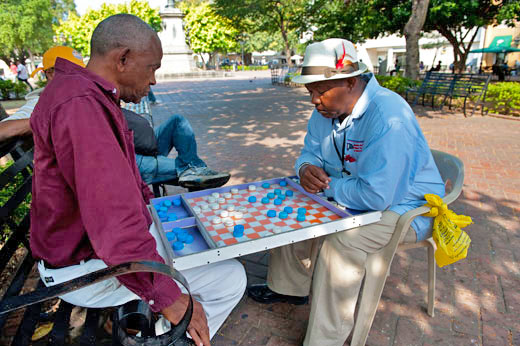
(386, 171)
(311, 152)
(95, 167)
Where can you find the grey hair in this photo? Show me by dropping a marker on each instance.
(120, 30)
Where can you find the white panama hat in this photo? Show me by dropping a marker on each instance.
(333, 58)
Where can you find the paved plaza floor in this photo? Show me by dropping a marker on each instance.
(255, 131)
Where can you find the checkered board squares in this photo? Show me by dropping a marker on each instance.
(255, 220)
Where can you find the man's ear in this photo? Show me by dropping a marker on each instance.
(121, 57)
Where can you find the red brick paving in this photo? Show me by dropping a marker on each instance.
(255, 131)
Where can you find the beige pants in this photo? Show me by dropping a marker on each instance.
(337, 279)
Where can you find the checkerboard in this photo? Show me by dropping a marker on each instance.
(255, 220)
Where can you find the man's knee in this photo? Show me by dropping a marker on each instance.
(235, 275)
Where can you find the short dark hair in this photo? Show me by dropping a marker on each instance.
(120, 30)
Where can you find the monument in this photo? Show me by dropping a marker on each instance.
(177, 56)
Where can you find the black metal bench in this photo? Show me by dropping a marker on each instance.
(20, 274)
(448, 86)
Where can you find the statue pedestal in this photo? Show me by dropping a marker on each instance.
(177, 57)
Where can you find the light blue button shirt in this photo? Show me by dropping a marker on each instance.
(389, 161)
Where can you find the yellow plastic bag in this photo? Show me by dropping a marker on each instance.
(452, 242)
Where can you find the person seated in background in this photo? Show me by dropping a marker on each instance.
(437, 68)
(154, 164)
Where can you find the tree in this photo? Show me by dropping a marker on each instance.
(76, 31)
(207, 32)
(412, 31)
(25, 28)
(271, 17)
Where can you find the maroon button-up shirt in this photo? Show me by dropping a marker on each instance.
(89, 200)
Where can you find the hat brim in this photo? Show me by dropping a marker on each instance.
(306, 79)
(36, 71)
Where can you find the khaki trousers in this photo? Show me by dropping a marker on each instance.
(335, 271)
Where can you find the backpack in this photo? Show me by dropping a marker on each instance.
(145, 142)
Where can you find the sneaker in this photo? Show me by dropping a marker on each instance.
(153, 103)
(202, 177)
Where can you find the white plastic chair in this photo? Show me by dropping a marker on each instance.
(378, 264)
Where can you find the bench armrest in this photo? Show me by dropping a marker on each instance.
(16, 302)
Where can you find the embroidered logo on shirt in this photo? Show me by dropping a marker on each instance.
(349, 158)
(357, 146)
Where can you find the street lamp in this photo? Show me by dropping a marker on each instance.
(242, 48)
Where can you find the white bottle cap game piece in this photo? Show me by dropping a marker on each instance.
(229, 222)
(227, 195)
(241, 209)
(234, 190)
(214, 206)
(215, 195)
(251, 188)
(197, 209)
(221, 200)
(230, 207)
(238, 215)
(212, 199)
(224, 213)
(216, 220)
(204, 206)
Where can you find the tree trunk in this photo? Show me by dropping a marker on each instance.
(460, 51)
(284, 37)
(412, 31)
(32, 60)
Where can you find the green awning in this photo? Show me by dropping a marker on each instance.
(500, 44)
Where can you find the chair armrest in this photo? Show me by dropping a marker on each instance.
(16, 302)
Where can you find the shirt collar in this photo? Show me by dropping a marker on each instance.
(362, 103)
(67, 67)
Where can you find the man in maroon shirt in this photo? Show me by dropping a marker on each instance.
(89, 202)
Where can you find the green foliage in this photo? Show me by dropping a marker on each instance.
(77, 31)
(246, 68)
(504, 98)
(6, 87)
(25, 26)
(5, 194)
(208, 32)
(397, 84)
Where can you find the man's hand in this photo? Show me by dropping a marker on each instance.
(198, 327)
(313, 178)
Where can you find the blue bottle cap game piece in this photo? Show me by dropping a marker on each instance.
(302, 211)
(270, 195)
(277, 201)
(238, 231)
(167, 204)
(178, 245)
(283, 183)
(271, 213)
(288, 210)
(189, 239)
(282, 197)
(265, 200)
(283, 215)
(162, 214)
(172, 217)
(177, 230)
(252, 199)
(176, 202)
(266, 185)
(182, 236)
(163, 209)
(170, 236)
(300, 218)
(289, 193)
(277, 191)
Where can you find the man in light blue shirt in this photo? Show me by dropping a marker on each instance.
(365, 149)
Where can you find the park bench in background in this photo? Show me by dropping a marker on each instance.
(447, 86)
(282, 74)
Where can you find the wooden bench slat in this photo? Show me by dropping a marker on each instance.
(17, 167)
(8, 209)
(11, 245)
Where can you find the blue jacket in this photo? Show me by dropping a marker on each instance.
(389, 161)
